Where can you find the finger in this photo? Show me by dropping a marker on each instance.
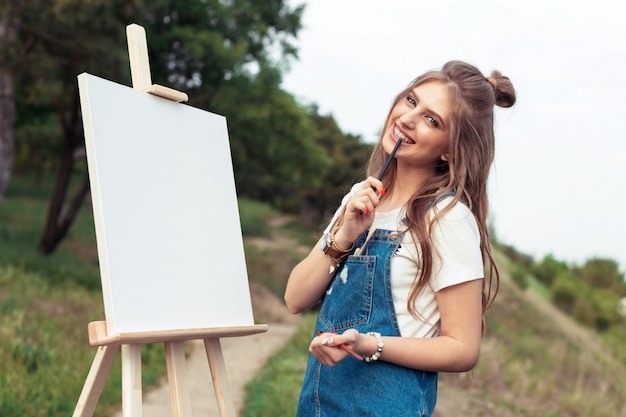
(331, 339)
(375, 185)
(350, 351)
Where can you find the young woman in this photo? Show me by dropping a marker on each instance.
(400, 269)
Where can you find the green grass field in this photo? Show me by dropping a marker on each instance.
(534, 362)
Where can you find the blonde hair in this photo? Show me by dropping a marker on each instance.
(464, 175)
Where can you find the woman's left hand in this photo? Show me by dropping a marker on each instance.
(332, 348)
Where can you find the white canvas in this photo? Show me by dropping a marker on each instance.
(165, 208)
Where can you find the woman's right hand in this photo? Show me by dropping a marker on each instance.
(309, 279)
(359, 212)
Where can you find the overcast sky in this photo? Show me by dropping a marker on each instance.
(559, 181)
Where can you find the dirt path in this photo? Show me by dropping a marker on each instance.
(244, 357)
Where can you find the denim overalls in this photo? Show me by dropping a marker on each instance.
(360, 298)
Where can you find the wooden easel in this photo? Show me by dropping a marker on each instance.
(174, 339)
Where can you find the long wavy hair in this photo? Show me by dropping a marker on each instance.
(464, 175)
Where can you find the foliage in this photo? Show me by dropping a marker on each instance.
(274, 158)
(45, 305)
(44, 354)
(21, 221)
(274, 391)
(603, 274)
(253, 216)
(519, 274)
(513, 254)
(349, 157)
(548, 269)
(591, 294)
(199, 46)
(530, 365)
(228, 56)
(563, 293)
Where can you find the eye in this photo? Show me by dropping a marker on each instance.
(411, 100)
(432, 121)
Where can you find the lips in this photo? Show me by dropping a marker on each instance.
(400, 136)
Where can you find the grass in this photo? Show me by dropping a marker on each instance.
(44, 351)
(46, 303)
(275, 389)
(529, 367)
(22, 219)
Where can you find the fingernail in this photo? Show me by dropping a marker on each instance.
(328, 341)
(367, 211)
(382, 191)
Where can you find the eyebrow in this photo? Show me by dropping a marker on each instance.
(430, 110)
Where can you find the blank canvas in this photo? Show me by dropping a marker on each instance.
(165, 209)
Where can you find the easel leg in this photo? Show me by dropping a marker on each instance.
(177, 376)
(94, 384)
(220, 378)
(131, 380)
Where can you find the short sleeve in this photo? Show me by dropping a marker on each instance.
(344, 201)
(457, 240)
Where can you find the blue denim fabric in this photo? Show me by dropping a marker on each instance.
(360, 298)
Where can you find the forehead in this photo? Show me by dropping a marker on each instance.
(434, 95)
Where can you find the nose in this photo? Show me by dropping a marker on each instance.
(409, 119)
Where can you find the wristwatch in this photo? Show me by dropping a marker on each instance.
(334, 252)
(330, 250)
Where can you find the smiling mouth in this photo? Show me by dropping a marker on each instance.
(401, 137)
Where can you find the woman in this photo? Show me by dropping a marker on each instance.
(400, 270)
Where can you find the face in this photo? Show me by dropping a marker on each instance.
(421, 120)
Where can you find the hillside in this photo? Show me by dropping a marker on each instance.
(535, 360)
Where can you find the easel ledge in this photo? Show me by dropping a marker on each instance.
(98, 334)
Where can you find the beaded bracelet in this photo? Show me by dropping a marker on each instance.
(334, 242)
(379, 347)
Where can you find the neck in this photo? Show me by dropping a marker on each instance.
(407, 181)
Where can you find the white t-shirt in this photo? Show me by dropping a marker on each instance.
(456, 239)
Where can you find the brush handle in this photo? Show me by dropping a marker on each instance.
(391, 155)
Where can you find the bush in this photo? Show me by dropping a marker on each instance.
(564, 293)
(519, 275)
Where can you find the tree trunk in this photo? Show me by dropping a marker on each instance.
(61, 216)
(307, 210)
(9, 26)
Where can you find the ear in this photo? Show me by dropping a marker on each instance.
(444, 157)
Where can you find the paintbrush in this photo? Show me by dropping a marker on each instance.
(391, 155)
(343, 346)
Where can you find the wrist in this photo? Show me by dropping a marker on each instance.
(338, 242)
(340, 239)
(378, 347)
(335, 252)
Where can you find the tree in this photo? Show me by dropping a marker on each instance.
(349, 156)
(274, 158)
(604, 274)
(197, 46)
(548, 269)
(67, 39)
(10, 13)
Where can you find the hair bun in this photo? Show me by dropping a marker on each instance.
(503, 88)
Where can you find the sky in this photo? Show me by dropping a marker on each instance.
(558, 185)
